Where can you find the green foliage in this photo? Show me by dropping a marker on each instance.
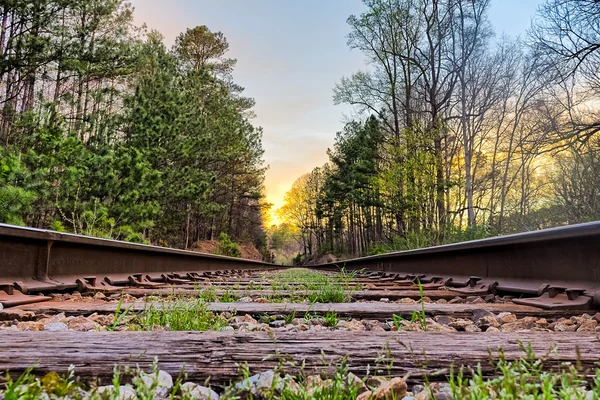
(111, 134)
(418, 240)
(227, 247)
(16, 200)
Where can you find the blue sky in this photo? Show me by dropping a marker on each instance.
(290, 55)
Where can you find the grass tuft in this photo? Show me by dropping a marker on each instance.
(179, 315)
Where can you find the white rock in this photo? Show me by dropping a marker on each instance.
(56, 327)
(162, 380)
(125, 392)
(199, 392)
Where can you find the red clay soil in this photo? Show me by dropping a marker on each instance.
(249, 252)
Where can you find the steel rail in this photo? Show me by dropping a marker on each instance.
(563, 261)
(37, 260)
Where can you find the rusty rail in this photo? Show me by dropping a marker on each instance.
(553, 268)
(34, 261)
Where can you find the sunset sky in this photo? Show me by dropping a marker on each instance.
(290, 55)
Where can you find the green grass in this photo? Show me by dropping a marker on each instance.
(179, 315)
(324, 288)
(210, 295)
(331, 319)
(526, 378)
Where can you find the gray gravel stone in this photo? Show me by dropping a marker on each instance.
(418, 389)
(56, 327)
(277, 324)
(443, 396)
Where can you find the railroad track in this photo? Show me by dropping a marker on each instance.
(74, 300)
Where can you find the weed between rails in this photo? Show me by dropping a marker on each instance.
(179, 315)
(417, 316)
(324, 288)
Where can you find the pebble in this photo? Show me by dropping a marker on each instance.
(1, 307)
(30, 326)
(262, 300)
(375, 381)
(486, 321)
(100, 296)
(357, 383)
(245, 299)
(479, 313)
(82, 324)
(277, 324)
(588, 326)
(163, 381)
(443, 319)
(394, 389)
(384, 300)
(418, 389)
(563, 327)
(460, 324)
(258, 384)
(433, 326)
(590, 395)
(407, 301)
(542, 323)
(199, 392)
(365, 395)
(56, 327)
(472, 328)
(228, 329)
(126, 392)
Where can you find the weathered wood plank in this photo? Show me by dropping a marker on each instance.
(381, 311)
(218, 355)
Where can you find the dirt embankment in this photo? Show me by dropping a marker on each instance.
(248, 250)
(318, 259)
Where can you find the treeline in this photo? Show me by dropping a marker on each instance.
(461, 135)
(107, 132)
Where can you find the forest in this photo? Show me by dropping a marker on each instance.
(107, 132)
(457, 133)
